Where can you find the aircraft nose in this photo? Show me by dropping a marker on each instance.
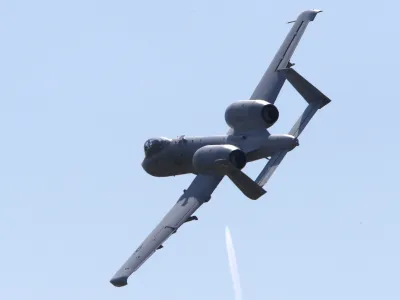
(150, 166)
(146, 165)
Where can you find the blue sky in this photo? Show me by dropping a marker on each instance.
(85, 83)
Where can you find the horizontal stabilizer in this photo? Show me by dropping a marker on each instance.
(308, 91)
(243, 182)
(316, 101)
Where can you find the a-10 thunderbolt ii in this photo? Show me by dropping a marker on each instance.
(211, 158)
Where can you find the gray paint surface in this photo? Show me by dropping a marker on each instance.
(247, 140)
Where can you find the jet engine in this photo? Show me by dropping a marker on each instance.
(206, 159)
(251, 114)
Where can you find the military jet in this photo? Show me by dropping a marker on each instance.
(211, 158)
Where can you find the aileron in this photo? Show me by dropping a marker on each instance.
(272, 80)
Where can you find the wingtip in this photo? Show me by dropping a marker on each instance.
(119, 281)
(307, 15)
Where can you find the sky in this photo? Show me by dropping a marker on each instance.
(85, 83)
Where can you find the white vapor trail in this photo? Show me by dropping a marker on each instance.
(233, 264)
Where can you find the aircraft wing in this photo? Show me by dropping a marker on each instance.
(199, 191)
(272, 81)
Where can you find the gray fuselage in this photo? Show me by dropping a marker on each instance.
(175, 157)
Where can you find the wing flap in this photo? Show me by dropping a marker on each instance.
(199, 191)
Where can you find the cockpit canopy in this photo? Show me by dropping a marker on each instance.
(155, 145)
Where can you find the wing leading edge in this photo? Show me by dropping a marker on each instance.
(199, 191)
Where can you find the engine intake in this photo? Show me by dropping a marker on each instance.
(251, 114)
(204, 159)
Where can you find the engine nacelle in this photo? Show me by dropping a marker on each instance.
(251, 114)
(204, 159)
